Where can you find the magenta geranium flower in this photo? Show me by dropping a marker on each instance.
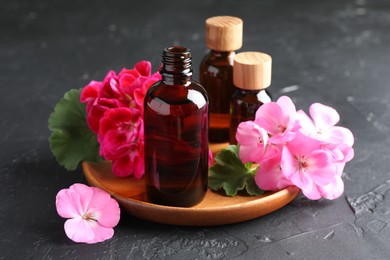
(133, 162)
(121, 138)
(114, 113)
(91, 212)
(119, 128)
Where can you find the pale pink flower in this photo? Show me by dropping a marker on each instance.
(278, 119)
(321, 125)
(253, 142)
(294, 149)
(307, 165)
(91, 212)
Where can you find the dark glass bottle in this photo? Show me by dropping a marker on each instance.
(251, 76)
(176, 128)
(216, 74)
(223, 37)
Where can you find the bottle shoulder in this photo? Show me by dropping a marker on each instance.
(178, 93)
(251, 96)
(212, 59)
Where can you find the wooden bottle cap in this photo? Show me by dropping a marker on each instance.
(252, 70)
(224, 33)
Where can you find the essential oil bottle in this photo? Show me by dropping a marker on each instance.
(251, 76)
(223, 38)
(176, 127)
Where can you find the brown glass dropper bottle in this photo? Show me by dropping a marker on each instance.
(251, 76)
(176, 127)
(223, 38)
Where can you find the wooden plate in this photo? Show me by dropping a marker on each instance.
(215, 209)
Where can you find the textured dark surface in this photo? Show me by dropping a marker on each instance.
(334, 52)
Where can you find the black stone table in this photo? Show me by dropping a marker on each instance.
(334, 52)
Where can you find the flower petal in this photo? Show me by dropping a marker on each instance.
(126, 80)
(250, 153)
(307, 126)
(292, 171)
(105, 209)
(334, 189)
(73, 202)
(64, 205)
(339, 134)
(79, 230)
(123, 167)
(101, 234)
(144, 68)
(269, 116)
(269, 175)
(321, 167)
(323, 116)
(313, 194)
(250, 133)
(288, 111)
(87, 231)
(90, 92)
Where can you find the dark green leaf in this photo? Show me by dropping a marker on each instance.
(251, 186)
(231, 174)
(71, 140)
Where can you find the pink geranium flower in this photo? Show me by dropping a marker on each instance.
(253, 142)
(278, 119)
(307, 165)
(294, 149)
(91, 212)
(321, 125)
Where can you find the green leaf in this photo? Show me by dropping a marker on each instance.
(231, 174)
(71, 140)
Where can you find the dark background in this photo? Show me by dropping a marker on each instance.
(334, 52)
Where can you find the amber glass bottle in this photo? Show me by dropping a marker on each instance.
(223, 37)
(176, 127)
(251, 76)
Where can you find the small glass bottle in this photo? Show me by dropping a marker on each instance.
(176, 127)
(251, 76)
(223, 38)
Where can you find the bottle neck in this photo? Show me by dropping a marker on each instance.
(223, 53)
(176, 68)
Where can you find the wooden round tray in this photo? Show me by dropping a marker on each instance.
(215, 209)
